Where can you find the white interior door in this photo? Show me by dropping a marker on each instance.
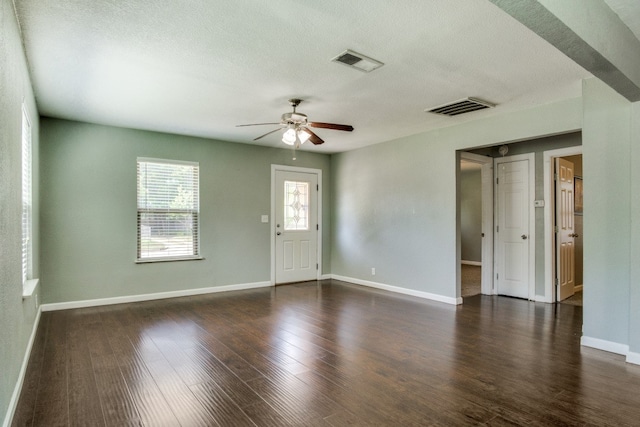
(565, 236)
(296, 226)
(487, 227)
(512, 230)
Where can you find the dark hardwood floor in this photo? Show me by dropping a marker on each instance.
(325, 353)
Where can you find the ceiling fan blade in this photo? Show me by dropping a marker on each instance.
(258, 124)
(334, 126)
(315, 139)
(268, 133)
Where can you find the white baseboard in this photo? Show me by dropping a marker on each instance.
(325, 277)
(633, 358)
(577, 288)
(399, 290)
(13, 403)
(149, 297)
(476, 263)
(611, 347)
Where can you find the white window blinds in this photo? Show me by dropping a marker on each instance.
(26, 197)
(168, 205)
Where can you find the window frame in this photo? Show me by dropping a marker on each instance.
(195, 213)
(26, 196)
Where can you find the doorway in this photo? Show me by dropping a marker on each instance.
(296, 220)
(476, 224)
(558, 267)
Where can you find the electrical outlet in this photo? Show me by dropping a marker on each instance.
(373, 271)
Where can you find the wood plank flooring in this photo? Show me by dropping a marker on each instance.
(323, 354)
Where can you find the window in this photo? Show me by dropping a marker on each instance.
(27, 247)
(296, 205)
(168, 204)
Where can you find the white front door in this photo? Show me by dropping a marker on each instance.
(512, 231)
(296, 226)
(565, 247)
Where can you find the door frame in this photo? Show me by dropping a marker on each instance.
(532, 216)
(272, 227)
(486, 173)
(549, 218)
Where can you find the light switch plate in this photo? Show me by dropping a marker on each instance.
(265, 218)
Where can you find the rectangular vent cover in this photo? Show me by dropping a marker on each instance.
(358, 61)
(460, 107)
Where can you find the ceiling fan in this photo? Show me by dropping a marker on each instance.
(296, 127)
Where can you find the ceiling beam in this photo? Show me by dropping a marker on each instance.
(588, 32)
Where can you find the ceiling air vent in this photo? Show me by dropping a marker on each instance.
(357, 61)
(460, 107)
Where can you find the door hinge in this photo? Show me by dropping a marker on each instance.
(557, 282)
(497, 228)
(555, 228)
(317, 187)
(317, 227)
(497, 179)
(555, 176)
(316, 266)
(497, 276)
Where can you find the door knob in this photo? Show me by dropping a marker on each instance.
(524, 237)
(278, 233)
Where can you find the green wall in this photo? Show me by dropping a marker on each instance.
(89, 211)
(17, 316)
(607, 153)
(394, 206)
(634, 300)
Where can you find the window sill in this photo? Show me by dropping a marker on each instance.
(152, 260)
(29, 288)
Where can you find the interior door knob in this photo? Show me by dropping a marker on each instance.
(524, 237)
(278, 233)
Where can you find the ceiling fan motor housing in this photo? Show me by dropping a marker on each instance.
(294, 118)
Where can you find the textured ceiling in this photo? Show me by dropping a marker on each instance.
(200, 67)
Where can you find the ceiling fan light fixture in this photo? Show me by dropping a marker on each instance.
(303, 136)
(296, 127)
(289, 136)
